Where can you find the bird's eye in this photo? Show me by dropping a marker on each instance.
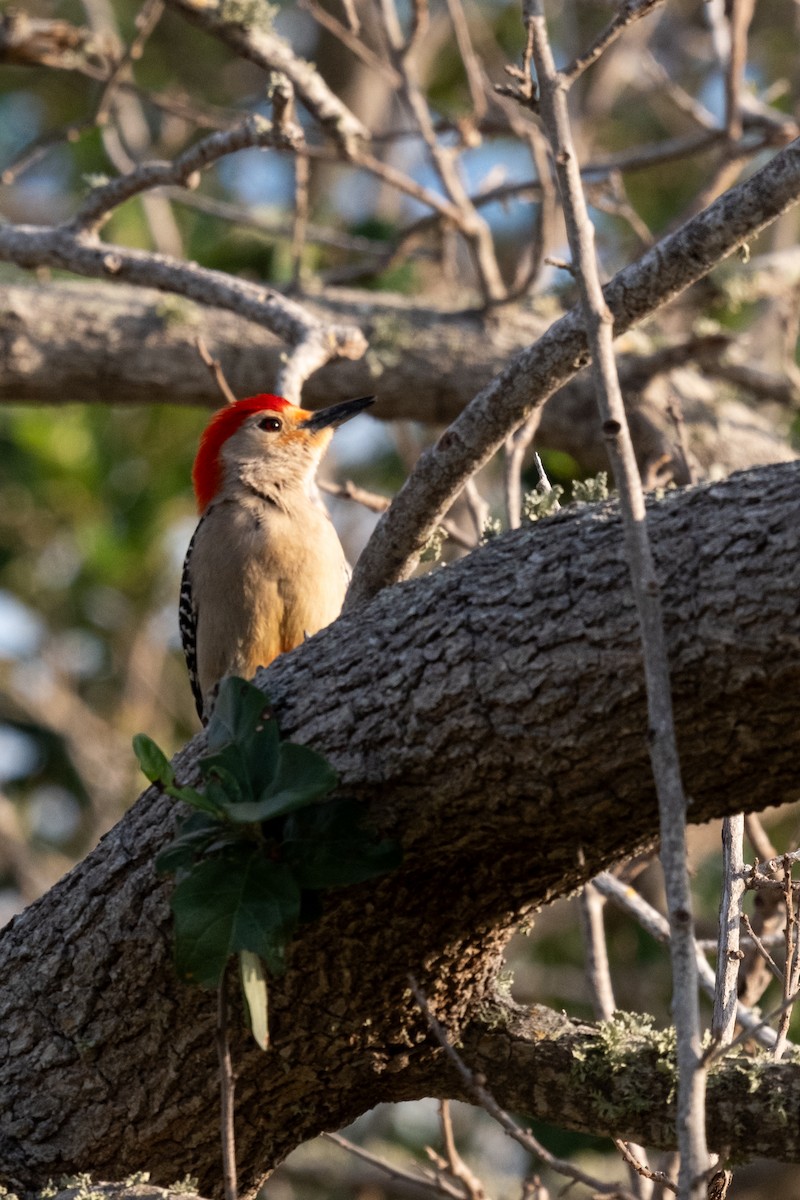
(270, 424)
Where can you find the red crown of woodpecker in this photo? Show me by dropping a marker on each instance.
(207, 471)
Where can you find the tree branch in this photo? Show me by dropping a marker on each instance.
(33, 246)
(264, 48)
(491, 713)
(635, 292)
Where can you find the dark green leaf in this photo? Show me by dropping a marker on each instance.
(178, 856)
(237, 902)
(326, 846)
(243, 731)
(224, 786)
(302, 777)
(240, 711)
(153, 761)
(193, 837)
(195, 799)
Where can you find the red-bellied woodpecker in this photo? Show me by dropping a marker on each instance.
(265, 567)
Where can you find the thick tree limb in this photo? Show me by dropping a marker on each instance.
(503, 740)
(32, 246)
(74, 342)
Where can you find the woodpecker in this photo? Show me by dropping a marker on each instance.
(265, 567)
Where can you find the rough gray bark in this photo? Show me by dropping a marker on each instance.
(492, 715)
(75, 342)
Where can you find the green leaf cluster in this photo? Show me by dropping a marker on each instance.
(258, 847)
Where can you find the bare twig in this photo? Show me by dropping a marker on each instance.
(127, 138)
(630, 11)
(476, 1084)
(472, 66)
(741, 14)
(217, 373)
(757, 964)
(598, 975)
(183, 170)
(469, 222)
(597, 969)
(452, 1161)
(350, 491)
(715, 1052)
(657, 926)
(349, 37)
(663, 746)
(729, 955)
(436, 1183)
(516, 446)
(675, 414)
(759, 839)
(791, 971)
(275, 226)
(760, 946)
(630, 1156)
(377, 503)
(146, 21)
(260, 45)
(227, 1085)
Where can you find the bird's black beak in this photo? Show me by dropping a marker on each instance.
(336, 414)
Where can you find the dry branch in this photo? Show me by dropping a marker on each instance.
(266, 49)
(665, 760)
(634, 293)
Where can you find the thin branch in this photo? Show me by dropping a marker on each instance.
(379, 504)
(227, 1085)
(660, 1177)
(476, 1085)
(349, 38)
(350, 491)
(276, 227)
(437, 1184)
(675, 414)
(762, 949)
(444, 160)
(146, 21)
(630, 11)
(261, 46)
(477, 507)
(597, 969)
(729, 954)
(599, 322)
(626, 898)
(127, 138)
(791, 971)
(217, 373)
(740, 16)
(515, 449)
(472, 66)
(255, 132)
(716, 1052)
(452, 1162)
